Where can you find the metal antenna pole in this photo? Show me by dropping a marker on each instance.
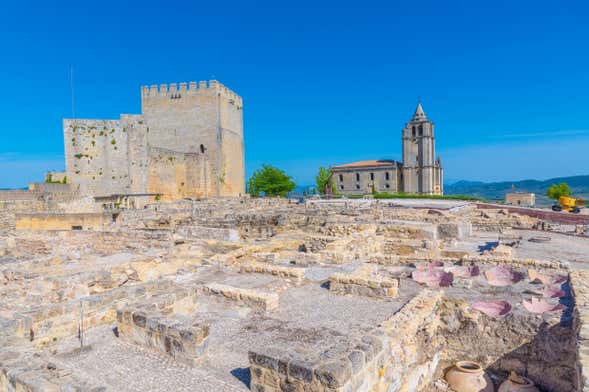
(72, 91)
(81, 323)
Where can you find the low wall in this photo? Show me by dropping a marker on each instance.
(19, 194)
(248, 297)
(62, 221)
(9, 209)
(161, 324)
(580, 286)
(296, 274)
(370, 286)
(24, 372)
(544, 214)
(207, 233)
(50, 187)
(400, 355)
(46, 324)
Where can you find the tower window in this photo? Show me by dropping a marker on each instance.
(413, 131)
(371, 176)
(387, 176)
(341, 178)
(357, 176)
(420, 130)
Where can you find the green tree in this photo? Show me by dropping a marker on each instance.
(556, 191)
(324, 180)
(270, 181)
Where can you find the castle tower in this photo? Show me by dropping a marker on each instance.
(188, 142)
(422, 172)
(195, 140)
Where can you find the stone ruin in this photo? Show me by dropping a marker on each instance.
(270, 295)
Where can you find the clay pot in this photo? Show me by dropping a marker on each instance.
(468, 376)
(517, 383)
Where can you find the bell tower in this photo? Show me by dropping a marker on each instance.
(422, 172)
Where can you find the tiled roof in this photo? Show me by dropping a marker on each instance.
(371, 163)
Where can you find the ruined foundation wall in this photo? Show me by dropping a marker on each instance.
(9, 210)
(400, 355)
(541, 348)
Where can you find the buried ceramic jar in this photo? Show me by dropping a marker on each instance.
(517, 383)
(466, 376)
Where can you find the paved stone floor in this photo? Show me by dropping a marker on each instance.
(125, 367)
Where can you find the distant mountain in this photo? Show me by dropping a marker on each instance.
(495, 191)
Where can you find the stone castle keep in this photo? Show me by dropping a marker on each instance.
(420, 172)
(188, 142)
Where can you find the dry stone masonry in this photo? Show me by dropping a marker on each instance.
(235, 294)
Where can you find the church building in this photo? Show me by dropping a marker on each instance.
(420, 172)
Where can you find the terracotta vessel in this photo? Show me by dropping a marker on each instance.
(541, 306)
(468, 376)
(495, 309)
(517, 383)
(502, 276)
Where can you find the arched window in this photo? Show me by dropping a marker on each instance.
(420, 130)
(413, 131)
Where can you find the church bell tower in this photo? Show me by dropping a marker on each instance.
(422, 172)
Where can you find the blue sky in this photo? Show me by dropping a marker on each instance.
(506, 82)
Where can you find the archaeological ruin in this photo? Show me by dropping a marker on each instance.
(268, 295)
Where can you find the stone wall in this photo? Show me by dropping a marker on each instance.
(248, 297)
(9, 209)
(161, 324)
(580, 286)
(96, 154)
(363, 284)
(203, 123)
(62, 221)
(176, 175)
(400, 355)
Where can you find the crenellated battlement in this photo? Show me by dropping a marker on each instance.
(178, 90)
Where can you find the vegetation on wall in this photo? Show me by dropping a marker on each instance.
(270, 181)
(49, 179)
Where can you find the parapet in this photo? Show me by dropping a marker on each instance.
(177, 91)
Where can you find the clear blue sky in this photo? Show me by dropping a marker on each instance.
(506, 82)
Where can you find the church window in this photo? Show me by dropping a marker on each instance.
(387, 186)
(341, 178)
(357, 186)
(341, 187)
(420, 130)
(371, 176)
(357, 176)
(413, 131)
(387, 176)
